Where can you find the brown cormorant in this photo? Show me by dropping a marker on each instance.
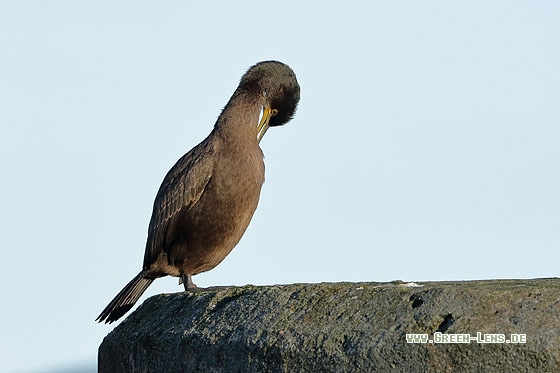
(208, 198)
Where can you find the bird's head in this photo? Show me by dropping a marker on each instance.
(278, 91)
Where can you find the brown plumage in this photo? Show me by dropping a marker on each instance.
(208, 198)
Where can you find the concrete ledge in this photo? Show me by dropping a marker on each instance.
(341, 327)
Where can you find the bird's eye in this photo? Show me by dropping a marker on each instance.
(274, 112)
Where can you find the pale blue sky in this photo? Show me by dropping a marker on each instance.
(425, 148)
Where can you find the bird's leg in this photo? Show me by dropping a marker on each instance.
(186, 279)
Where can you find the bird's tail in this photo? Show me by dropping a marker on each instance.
(125, 299)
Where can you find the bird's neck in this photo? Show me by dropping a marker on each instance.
(239, 119)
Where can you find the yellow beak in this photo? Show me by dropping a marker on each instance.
(263, 124)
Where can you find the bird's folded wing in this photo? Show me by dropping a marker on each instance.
(181, 189)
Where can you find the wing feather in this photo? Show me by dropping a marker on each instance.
(181, 189)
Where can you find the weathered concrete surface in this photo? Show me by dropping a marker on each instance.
(341, 327)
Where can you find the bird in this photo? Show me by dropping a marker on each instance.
(207, 199)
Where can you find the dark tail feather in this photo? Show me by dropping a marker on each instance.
(125, 299)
